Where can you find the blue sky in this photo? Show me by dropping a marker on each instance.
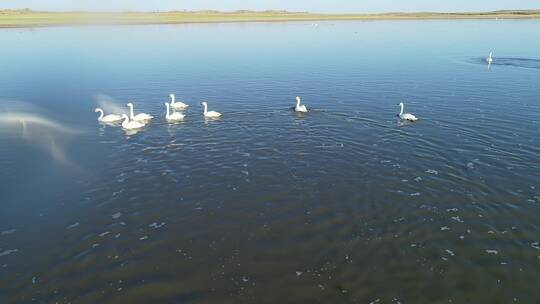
(291, 5)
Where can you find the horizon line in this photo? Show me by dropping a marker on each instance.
(29, 10)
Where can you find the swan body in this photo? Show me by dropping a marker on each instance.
(130, 124)
(107, 118)
(406, 116)
(174, 116)
(209, 114)
(139, 117)
(177, 104)
(490, 58)
(300, 108)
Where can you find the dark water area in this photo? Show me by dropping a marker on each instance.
(344, 204)
(528, 63)
(519, 62)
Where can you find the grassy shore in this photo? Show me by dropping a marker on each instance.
(28, 18)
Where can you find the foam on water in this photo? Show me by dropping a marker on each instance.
(74, 225)
(156, 225)
(9, 231)
(8, 252)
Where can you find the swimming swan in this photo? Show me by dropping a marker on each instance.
(300, 108)
(177, 105)
(406, 116)
(130, 125)
(139, 117)
(490, 58)
(107, 118)
(174, 116)
(209, 114)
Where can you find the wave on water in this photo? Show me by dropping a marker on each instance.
(528, 63)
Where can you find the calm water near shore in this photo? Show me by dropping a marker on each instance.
(344, 204)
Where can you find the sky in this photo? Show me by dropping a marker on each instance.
(334, 6)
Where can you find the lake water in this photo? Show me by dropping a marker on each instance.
(342, 205)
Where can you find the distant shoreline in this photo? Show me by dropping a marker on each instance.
(29, 18)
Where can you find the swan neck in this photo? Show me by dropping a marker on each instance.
(173, 100)
(130, 111)
(168, 111)
(100, 114)
(401, 112)
(298, 102)
(205, 108)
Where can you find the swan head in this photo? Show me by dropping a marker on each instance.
(130, 104)
(98, 110)
(401, 104)
(204, 103)
(171, 96)
(297, 98)
(124, 116)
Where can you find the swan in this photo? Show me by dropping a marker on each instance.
(107, 118)
(177, 105)
(406, 116)
(299, 108)
(138, 117)
(130, 125)
(490, 58)
(209, 114)
(174, 116)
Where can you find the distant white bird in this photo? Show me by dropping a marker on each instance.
(489, 60)
(300, 108)
(130, 124)
(139, 117)
(177, 104)
(174, 116)
(209, 114)
(406, 116)
(107, 118)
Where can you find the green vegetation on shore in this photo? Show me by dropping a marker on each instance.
(29, 18)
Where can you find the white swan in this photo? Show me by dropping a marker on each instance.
(174, 116)
(107, 118)
(209, 114)
(130, 124)
(300, 108)
(139, 117)
(177, 104)
(490, 58)
(406, 116)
